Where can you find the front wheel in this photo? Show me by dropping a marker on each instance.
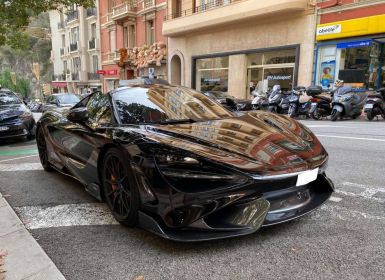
(335, 114)
(370, 115)
(119, 188)
(272, 109)
(43, 151)
(291, 112)
(315, 115)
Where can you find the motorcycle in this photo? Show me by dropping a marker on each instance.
(278, 102)
(321, 104)
(375, 104)
(260, 100)
(297, 108)
(347, 103)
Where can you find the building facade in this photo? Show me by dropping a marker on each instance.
(132, 40)
(350, 43)
(229, 45)
(75, 49)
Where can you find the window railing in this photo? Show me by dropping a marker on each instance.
(92, 44)
(148, 4)
(60, 77)
(201, 8)
(123, 8)
(91, 12)
(72, 15)
(73, 47)
(93, 76)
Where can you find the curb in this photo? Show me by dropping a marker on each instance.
(24, 258)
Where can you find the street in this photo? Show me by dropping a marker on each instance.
(344, 239)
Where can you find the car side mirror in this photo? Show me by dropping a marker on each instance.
(79, 114)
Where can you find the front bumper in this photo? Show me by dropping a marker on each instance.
(17, 128)
(242, 211)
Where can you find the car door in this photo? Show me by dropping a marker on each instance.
(81, 142)
(51, 103)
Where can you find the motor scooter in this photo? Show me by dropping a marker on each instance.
(278, 101)
(347, 103)
(297, 108)
(321, 102)
(260, 100)
(375, 104)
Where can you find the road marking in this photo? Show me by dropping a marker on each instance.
(326, 125)
(6, 160)
(20, 167)
(88, 214)
(18, 152)
(367, 192)
(335, 198)
(347, 214)
(352, 138)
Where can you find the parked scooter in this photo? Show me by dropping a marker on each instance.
(278, 101)
(297, 108)
(375, 104)
(347, 103)
(321, 102)
(260, 100)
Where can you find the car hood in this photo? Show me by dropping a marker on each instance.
(255, 142)
(11, 111)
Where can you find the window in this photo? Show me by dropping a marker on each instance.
(95, 65)
(131, 37)
(212, 74)
(99, 108)
(93, 30)
(110, 5)
(76, 62)
(150, 32)
(63, 41)
(125, 37)
(74, 35)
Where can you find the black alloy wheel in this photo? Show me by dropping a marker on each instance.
(334, 116)
(42, 149)
(119, 188)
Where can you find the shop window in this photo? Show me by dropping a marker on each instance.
(212, 74)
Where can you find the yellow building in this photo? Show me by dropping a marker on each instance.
(226, 45)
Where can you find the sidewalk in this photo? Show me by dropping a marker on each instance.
(21, 255)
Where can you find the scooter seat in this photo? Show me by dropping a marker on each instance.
(326, 98)
(358, 98)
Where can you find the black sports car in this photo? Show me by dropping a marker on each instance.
(16, 119)
(172, 161)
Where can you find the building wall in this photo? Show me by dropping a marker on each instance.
(257, 34)
(54, 18)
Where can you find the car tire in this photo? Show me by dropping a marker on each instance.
(119, 188)
(370, 115)
(42, 149)
(31, 133)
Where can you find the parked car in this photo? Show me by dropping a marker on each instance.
(229, 102)
(60, 100)
(172, 161)
(16, 119)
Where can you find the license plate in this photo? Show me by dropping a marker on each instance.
(314, 104)
(368, 106)
(307, 177)
(4, 128)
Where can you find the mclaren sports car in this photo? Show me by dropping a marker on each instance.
(178, 164)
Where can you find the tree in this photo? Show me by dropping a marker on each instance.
(15, 16)
(22, 87)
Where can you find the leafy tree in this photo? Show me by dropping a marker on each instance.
(22, 87)
(15, 17)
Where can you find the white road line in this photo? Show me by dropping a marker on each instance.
(11, 159)
(335, 198)
(352, 138)
(326, 125)
(367, 192)
(20, 167)
(347, 214)
(89, 214)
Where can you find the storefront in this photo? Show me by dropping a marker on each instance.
(267, 67)
(359, 60)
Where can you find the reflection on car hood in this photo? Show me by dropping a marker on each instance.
(255, 142)
(11, 111)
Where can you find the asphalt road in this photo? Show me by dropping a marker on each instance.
(345, 239)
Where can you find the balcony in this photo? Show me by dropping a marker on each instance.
(92, 44)
(72, 16)
(74, 47)
(108, 58)
(91, 12)
(60, 77)
(93, 76)
(123, 11)
(227, 12)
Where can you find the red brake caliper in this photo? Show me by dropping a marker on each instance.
(113, 180)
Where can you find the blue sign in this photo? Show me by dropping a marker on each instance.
(354, 44)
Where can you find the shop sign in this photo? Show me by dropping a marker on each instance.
(101, 72)
(354, 44)
(111, 72)
(278, 77)
(330, 29)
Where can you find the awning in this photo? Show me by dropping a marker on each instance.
(59, 84)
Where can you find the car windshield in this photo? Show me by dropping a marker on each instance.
(68, 99)
(165, 104)
(8, 97)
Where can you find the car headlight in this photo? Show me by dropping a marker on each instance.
(26, 114)
(188, 173)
